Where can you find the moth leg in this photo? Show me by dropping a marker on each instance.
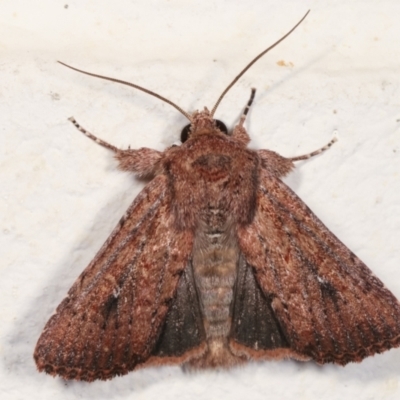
(144, 161)
(239, 132)
(91, 136)
(274, 163)
(281, 166)
(314, 153)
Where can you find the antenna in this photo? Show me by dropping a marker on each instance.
(252, 62)
(132, 85)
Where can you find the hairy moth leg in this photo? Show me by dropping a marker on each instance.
(280, 166)
(239, 132)
(314, 153)
(143, 161)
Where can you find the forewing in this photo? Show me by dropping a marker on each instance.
(329, 305)
(113, 315)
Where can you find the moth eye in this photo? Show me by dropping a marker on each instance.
(221, 126)
(185, 131)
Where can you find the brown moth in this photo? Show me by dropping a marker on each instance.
(215, 263)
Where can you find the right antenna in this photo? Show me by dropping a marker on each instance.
(252, 62)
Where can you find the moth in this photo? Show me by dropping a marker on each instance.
(215, 263)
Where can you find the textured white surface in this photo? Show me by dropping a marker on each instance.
(61, 194)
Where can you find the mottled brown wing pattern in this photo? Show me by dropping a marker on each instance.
(112, 317)
(329, 305)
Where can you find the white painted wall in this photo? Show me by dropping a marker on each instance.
(61, 195)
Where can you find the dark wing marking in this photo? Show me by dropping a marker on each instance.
(183, 336)
(112, 317)
(255, 329)
(329, 305)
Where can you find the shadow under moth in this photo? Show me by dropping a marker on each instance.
(215, 263)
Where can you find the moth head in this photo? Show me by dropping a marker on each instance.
(202, 123)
